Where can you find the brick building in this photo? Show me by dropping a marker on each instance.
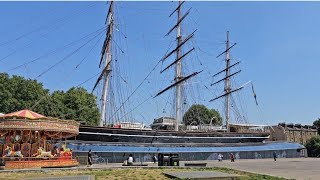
(292, 133)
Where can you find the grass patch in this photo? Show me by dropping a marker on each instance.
(131, 173)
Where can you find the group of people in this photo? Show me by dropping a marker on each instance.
(220, 157)
(232, 157)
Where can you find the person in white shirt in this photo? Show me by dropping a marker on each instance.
(220, 157)
(130, 160)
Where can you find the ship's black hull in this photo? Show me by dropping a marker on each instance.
(123, 136)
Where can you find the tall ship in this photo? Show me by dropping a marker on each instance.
(167, 131)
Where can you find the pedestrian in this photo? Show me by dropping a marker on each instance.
(220, 157)
(90, 158)
(232, 157)
(274, 156)
(130, 160)
(155, 159)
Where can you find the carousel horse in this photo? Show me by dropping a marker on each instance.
(42, 153)
(12, 153)
(65, 152)
(65, 149)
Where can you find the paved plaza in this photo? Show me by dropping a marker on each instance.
(290, 168)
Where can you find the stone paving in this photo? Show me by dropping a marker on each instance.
(200, 175)
(290, 168)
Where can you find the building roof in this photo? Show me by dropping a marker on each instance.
(26, 113)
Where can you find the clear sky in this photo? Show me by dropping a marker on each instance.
(277, 46)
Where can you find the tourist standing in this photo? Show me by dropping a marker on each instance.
(274, 156)
(220, 157)
(90, 158)
(130, 160)
(232, 157)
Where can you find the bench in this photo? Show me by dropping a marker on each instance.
(135, 164)
(196, 164)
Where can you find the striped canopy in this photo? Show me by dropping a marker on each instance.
(24, 114)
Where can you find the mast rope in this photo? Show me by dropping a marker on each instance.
(57, 49)
(46, 95)
(67, 56)
(140, 84)
(52, 27)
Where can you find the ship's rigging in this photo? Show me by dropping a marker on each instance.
(179, 77)
(105, 74)
(228, 90)
(107, 60)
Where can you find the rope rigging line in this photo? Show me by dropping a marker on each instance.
(57, 49)
(46, 95)
(79, 85)
(139, 84)
(41, 27)
(43, 92)
(66, 57)
(83, 59)
(138, 105)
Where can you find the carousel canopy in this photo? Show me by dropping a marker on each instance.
(25, 114)
(29, 120)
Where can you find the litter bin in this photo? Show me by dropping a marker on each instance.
(166, 160)
(174, 159)
(160, 159)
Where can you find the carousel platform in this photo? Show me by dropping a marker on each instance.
(36, 163)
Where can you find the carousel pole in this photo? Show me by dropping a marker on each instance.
(44, 142)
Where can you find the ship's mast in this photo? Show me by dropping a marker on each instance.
(179, 78)
(107, 58)
(178, 73)
(227, 85)
(107, 65)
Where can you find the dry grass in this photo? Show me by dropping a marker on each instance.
(126, 173)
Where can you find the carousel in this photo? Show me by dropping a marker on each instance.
(31, 140)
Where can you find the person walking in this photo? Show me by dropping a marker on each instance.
(155, 159)
(274, 156)
(90, 158)
(220, 157)
(232, 157)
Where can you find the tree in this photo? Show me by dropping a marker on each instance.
(199, 114)
(313, 146)
(17, 93)
(317, 124)
(81, 105)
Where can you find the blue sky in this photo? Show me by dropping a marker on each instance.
(277, 47)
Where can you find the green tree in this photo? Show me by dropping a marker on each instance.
(200, 114)
(81, 105)
(17, 93)
(317, 124)
(313, 146)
